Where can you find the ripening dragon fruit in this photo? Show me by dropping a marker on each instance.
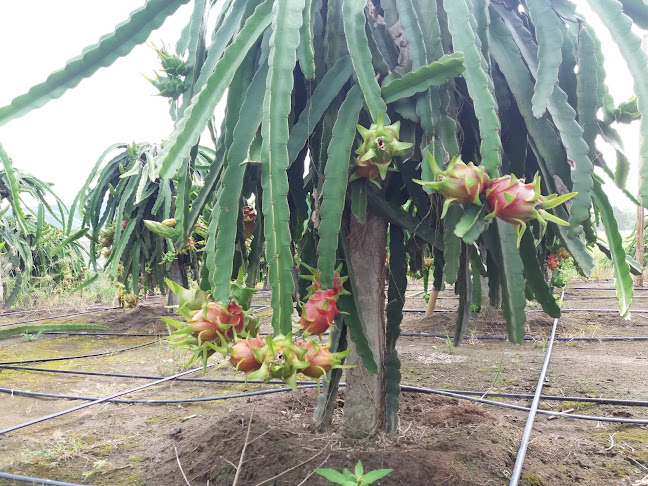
(515, 202)
(552, 262)
(459, 183)
(562, 254)
(249, 221)
(320, 359)
(379, 146)
(242, 354)
(319, 311)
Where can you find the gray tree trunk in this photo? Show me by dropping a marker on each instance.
(364, 407)
(177, 273)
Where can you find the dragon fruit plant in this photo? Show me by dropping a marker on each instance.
(379, 146)
(460, 183)
(515, 202)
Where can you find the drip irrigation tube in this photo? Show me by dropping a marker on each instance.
(558, 398)
(431, 391)
(28, 479)
(98, 400)
(504, 338)
(616, 311)
(59, 317)
(147, 377)
(528, 428)
(602, 401)
(404, 388)
(43, 360)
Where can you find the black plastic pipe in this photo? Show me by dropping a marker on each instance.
(43, 360)
(98, 400)
(600, 401)
(147, 377)
(58, 317)
(640, 311)
(404, 388)
(504, 338)
(431, 391)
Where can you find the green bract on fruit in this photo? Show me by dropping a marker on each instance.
(515, 202)
(315, 277)
(379, 146)
(459, 183)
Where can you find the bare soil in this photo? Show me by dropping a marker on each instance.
(440, 441)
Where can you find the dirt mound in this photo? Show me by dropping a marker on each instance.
(142, 319)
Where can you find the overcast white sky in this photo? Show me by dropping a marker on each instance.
(60, 142)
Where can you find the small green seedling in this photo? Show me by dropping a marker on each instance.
(347, 478)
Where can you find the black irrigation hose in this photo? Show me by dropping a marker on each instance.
(28, 479)
(404, 388)
(59, 317)
(147, 377)
(150, 401)
(98, 400)
(432, 391)
(636, 311)
(599, 401)
(42, 360)
(504, 338)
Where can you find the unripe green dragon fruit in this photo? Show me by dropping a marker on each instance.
(172, 64)
(459, 183)
(379, 146)
(515, 202)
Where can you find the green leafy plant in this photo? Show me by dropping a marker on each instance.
(347, 478)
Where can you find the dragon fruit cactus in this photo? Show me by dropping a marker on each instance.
(249, 221)
(320, 359)
(242, 354)
(552, 262)
(459, 183)
(515, 202)
(379, 146)
(319, 311)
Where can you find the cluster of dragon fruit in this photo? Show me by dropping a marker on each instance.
(554, 263)
(508, 198)
(231, 329)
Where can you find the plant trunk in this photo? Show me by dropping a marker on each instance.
(178, 274)
(364, 407)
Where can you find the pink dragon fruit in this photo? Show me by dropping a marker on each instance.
(320, 359)
(319, 311)
(459, 183)
(242, 354)
(515, 202)
(552, 262)
(217, 318)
